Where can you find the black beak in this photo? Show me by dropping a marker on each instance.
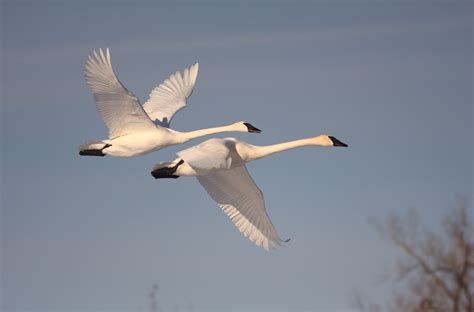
(336, 142)
(251, 128)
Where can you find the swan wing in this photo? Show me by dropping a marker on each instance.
(170, 96)
(241, 199)
(119, 108)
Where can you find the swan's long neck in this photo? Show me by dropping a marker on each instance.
(183, 137)
(257, 152)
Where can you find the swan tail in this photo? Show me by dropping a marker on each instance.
(94, 148)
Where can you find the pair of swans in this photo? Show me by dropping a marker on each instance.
(218, 164)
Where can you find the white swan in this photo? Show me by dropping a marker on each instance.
(131, 129)
(219, 165)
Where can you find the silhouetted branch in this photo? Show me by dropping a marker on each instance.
(437, 269)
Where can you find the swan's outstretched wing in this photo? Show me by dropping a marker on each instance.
(240, 198)
(120, 108)
(170, 96)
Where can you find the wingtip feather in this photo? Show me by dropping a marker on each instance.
(96, 55)
(109, 61)
(195, 72)
(102, 56)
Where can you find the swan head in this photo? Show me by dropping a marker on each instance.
(329, 140)
(244, 126)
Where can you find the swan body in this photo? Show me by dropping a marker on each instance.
(141, 143)
(219, 165)
(134, 129)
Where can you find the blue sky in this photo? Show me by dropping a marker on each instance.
(393, 79)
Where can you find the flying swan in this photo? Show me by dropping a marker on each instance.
(132, 128)
(219, 165)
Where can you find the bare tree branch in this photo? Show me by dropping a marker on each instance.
(436, 269)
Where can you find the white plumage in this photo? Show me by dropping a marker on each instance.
(241, 199)
(219, 165)
(119, 108)
(132, 131)
(170, 96)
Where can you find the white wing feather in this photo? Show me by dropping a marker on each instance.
(119, 108)
(224, 176)
(240, 198)
(170, 96)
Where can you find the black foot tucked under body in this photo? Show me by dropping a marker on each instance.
(94, 152)
(167, 172)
